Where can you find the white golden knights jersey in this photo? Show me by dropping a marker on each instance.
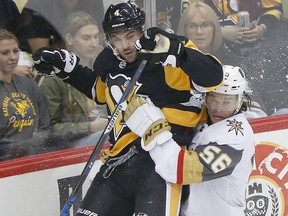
(167, 87)
(217, 165)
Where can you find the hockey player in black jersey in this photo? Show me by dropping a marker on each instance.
(127, 182)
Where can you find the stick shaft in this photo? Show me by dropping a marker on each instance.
(73, 196)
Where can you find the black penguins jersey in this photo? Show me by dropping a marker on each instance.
(167, 87)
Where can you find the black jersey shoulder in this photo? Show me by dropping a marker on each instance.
(108, 63)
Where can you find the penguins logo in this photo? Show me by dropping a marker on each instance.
(117, 86)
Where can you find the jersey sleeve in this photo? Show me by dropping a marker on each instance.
(92, 82)
(83, 79)
(215, 154)
(271, 13)
(184, 166)
(204, 70)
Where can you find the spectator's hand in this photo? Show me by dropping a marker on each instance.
(256, 33)
(234, 34)
(159, 46)
(62, 59)
(27, 71)
(19, 150)
(147, 121)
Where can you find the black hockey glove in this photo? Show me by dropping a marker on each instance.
(62, 59)
(44, 68)
(159, 46)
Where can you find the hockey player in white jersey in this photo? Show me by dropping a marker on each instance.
(218, 162)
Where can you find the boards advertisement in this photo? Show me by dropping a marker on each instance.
(40, 184)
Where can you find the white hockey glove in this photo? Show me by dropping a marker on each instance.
(62, 59)
(148, 122)
(159, 46)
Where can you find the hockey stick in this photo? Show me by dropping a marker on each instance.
(121, 104)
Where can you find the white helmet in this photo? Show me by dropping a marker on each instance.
(234, 83)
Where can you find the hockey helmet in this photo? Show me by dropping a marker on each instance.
(123, 16)
(234, 83)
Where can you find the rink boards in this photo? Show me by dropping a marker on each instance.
(39, 185)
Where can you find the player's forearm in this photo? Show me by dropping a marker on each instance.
(83, 79)
(176, 165)
(204, 69)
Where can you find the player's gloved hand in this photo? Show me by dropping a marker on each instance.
(44, 68)
(62, 59)
(159, 46)
(147, 121)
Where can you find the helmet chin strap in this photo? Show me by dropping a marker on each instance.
(240, 102)
(123, 62)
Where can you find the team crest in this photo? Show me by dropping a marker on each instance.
(263, 198)
(117, 86)
(18, 108)
(122, 64)
(266, 194)
(21, 107)
(235, 126)
(117, 13)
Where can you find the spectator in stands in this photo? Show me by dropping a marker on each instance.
(73, 115)
(31, 30)
(38, 31)
(23, 115)
(56, 11)
(10, 17)
(263, 59)
(41, 22)
(83, 37)
(12, 20)
(200, 24)
(265, 15)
